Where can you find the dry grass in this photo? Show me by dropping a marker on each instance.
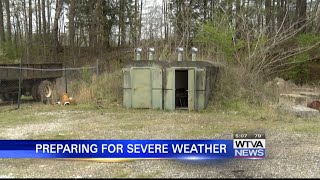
(106, 88)
(236, 85)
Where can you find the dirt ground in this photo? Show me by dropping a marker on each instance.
(293, 146)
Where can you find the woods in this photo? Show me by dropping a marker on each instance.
(280, 32)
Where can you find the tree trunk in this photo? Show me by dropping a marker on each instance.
(238, 19)
(135, 29)
(273, 23)
(179, 20)
(301, 13)
(140, 22)
(39, 17)
(7, 4)
(131, 27)
(258, 6)
(36, 11)
(122, 22)
(212, 10)
(71, 24)
(44, 23)
(26, 32)
(30, 21)
(205, 4)
(318, 17)
(2, 35)
(268, 15)
(44, 29)
(18, 37)
(280, 14)
(166, 24)
(59, 4)
(92, 31)
(48, 16)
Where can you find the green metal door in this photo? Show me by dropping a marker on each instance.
(157, 96)
(141, 88)
(169, 91)
(191, 89)
(200, 89)
(127, 89)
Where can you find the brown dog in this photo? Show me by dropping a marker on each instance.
(66, 100)
(314, 105)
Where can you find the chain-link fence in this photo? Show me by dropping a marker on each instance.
(28, 84)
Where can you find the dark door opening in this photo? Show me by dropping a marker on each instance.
(181, 86)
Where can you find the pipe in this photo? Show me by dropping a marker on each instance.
(151, 52)
(179, 51)
(138, 54)
(194, 53)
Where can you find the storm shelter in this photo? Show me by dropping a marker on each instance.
(149, 84)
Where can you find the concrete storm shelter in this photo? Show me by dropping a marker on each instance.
(163, 85)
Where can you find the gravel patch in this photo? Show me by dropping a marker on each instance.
(289, 154)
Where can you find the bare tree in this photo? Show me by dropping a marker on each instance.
(44, 23)
(2, 35)
(30, 21)
(72, 27)
(7, 4)
(318, 16)
(122, 19)
(59, 4)
(301, 10)
(268, 15)
(48, 16)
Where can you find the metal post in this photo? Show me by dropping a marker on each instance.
(194, 53)
(151, 52)
(138, 54)
(65, 79)
(20, 79)
(179, 51)
(97, 70)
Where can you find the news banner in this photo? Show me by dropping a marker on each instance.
(243, 145)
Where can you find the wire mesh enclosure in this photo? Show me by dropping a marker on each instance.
(26, 84)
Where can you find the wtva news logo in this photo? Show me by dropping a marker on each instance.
(249, 145)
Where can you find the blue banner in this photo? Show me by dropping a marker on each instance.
(140, 149)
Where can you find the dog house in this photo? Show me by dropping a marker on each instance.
(162, 85)
(142, 84)
(189, 84)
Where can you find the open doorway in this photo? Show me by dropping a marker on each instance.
(181, 86)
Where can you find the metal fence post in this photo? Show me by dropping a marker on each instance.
(20, 79)
(97, 67)
(65, 79)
